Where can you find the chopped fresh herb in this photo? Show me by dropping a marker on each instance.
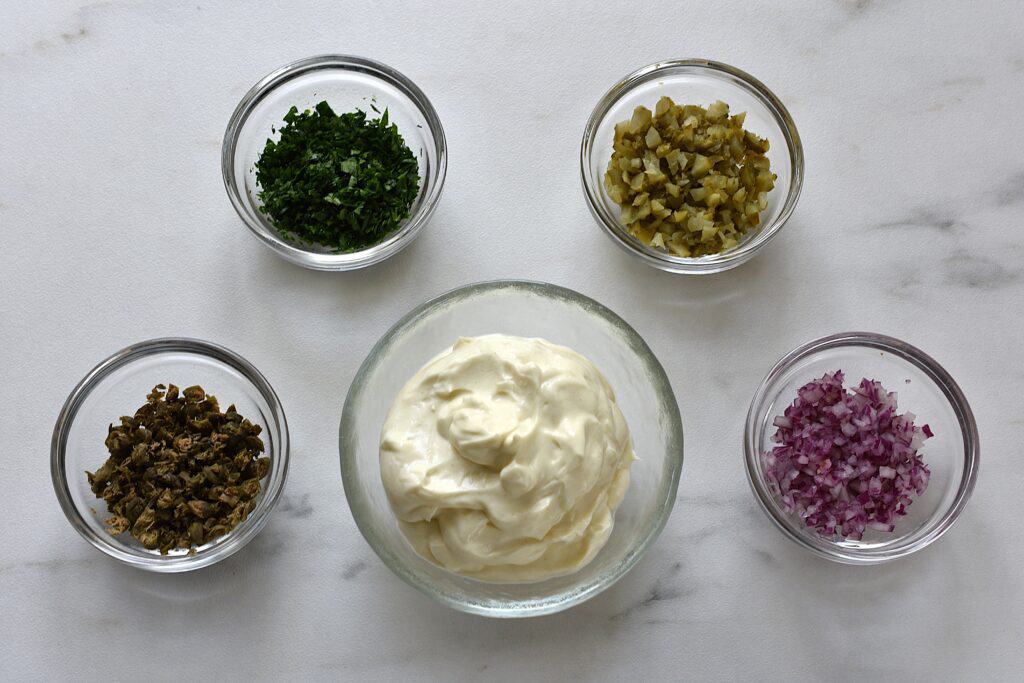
(344, 182)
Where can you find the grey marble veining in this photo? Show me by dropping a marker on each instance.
(112, 115)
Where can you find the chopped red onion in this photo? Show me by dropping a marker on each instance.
(846, 461)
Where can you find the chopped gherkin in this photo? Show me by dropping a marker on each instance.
(688, 180)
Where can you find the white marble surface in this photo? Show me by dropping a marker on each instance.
(116, 228)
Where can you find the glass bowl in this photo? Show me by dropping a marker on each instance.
(347, 83)
(924, 389)
(532, 310)
(118, 386)
(694, 81)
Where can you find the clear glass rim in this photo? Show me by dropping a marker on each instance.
(693, 265)
(952, 392)
(364, 257)
(235, 540)
(357, 499)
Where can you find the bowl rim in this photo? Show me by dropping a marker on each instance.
(233, 541)
(372, 254)
(702, 265)
(357, 499)
(936, 373)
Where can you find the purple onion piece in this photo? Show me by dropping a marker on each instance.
(846, 459)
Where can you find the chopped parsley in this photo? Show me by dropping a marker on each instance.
(344, 182)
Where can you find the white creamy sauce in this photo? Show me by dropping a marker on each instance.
(504, 459)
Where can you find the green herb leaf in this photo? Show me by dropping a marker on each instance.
(344, 182)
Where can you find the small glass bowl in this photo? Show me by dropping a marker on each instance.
(347, 83)
(526, 309)
(694, 81)
(923, 388)
(118, 386)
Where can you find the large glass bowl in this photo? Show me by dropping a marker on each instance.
(347, 83)
(923, 388)
(531, 310)
(694, 81)
(118, 386)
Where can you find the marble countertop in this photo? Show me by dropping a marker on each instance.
(116, 228)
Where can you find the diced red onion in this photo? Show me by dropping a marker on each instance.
(846, 461)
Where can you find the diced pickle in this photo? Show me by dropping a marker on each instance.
(688, 180)
(653, 137)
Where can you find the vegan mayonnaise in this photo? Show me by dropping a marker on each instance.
(504, 459)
